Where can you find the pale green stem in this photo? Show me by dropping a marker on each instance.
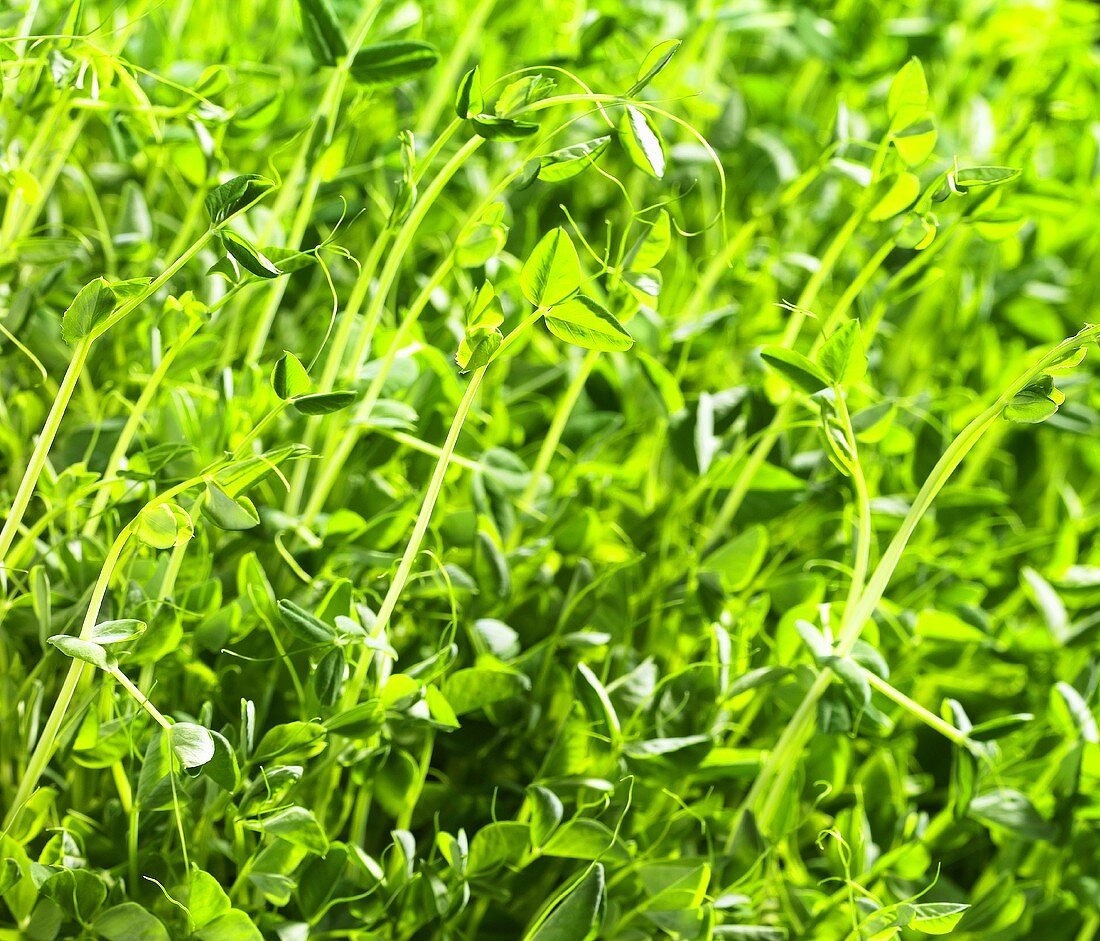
(420, 528)
(334, 92)
(446, 80)
(775, 776)
(42, 448)
(550, 443)
(933, 721)
(142, 699)
(47, 740)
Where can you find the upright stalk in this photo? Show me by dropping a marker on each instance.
(408, 558)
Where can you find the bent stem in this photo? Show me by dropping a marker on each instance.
(775, 776)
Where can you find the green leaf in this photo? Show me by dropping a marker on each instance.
(78, 892)
(130, 922)
(496, 845)
(234, 925)
(327, 679)
(477, 348)
(587, 839)
(908, 90)
(566, 163)
(305, 626)
(546, 813)
(914, 136)
(93, 304)
(192, 744)
(1029, 407)
(598, 703)
(206, 898)
(322, 403)
(1009, 809)
(799, 371)
(523, 92)
(10, 873)
(483, 239)
(552, 271)
(936, 917)
(470, 100)
(996, 225)
(917, 231)
(117, 632)
(227, 200)
(248, 256)
(390, 63)
(289, 377)
(164, 526)
(737, 561)
(842, 356)
(223, 768)
(642, 142)
(577, 914)
(892, 195)
(493, 128)
(477, 687)
(227, 512)
(586, 323)
(321, 28)
(297, 826)
(971, 177)
(653, 64)
(83, 650)
(648, 251)
(1072, 712)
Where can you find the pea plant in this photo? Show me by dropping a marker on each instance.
(485, 471)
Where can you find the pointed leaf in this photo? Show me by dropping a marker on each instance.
(390, 63)
(552, 271)
(642, 142)
(584, 322)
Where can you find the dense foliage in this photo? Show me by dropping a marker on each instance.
(548, 470)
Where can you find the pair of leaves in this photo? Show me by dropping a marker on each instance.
(483, 337)
(841, 359)
(164, 526)
(291, 383)
(1035, 403)
(92, 648)
(470, 106)
(377, 65)
(550, 279)
(390, 63)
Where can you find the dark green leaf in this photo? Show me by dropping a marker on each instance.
(322, 403)
(390, 63)
(321, 28)
(227, 200)
(470, 100)
(577, 914)
(795, 368)
(289, 378)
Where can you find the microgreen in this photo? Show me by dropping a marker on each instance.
(548, 471)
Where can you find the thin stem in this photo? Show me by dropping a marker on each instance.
(550, 442)
(141, 698)
(404, 569)
(775, 776)
(933, 721)
(401, 244)
(42, 448)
